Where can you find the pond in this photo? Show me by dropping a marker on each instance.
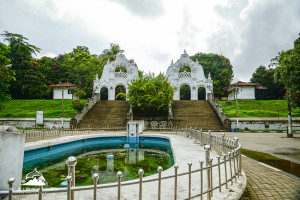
(105, 156)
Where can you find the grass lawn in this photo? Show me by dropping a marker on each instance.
(27, 108)
(258, 108)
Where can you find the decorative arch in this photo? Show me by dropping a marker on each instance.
(201, 93)
(185, 92)
(120, 88)
(186, 71)
(117, 72)
(104, 93)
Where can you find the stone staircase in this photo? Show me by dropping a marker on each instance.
(106, 113)
(197, 114)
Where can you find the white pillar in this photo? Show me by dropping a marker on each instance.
(11, 157)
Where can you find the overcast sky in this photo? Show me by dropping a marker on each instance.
(154, 32)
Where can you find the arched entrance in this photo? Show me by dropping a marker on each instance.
(104, 93)
(185, 69)
(185, 92)
(120, 89)
(201, 93)
(120, 69)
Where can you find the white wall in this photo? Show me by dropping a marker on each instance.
(57, 93)
(244, 93)
(30, 122)
(11, 158)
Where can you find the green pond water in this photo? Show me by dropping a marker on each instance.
(127, 160)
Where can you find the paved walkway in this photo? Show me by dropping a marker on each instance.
(266, 183)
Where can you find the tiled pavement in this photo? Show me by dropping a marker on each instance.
(267, 183)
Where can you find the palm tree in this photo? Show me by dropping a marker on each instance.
(111, 53)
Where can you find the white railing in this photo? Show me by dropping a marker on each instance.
(229, 155)
(44, 134)
(120, 74)
(184, 74)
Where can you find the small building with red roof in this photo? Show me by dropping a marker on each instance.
(65, 90)
(243, 90)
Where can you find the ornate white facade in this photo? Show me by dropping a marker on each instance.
(111, 78)
(194, 79)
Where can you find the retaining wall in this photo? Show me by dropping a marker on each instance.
(30, 122)
(265, 123)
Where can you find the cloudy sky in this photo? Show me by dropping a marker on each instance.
(154, 32)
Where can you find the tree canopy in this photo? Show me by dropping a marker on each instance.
(219, 68)
(268, 78)
(150, 96)
(289, 69)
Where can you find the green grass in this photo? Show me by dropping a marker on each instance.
(258, 108)
(27, 108)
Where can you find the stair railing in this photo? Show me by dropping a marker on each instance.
(88, 106)
(218, 109)
(130, 113)
(170, 115)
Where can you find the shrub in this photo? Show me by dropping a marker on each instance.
(78, 105)
(80, 94)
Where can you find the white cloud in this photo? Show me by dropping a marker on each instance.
(154, 32)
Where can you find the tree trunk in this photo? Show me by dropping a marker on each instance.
(290, 130)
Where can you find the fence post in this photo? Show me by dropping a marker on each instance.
(42, 179)
(159, 170)
(95, 178)
(223, 136)
(240, 160)
(201, 179)
(230, 167)
(224, 157)
(234, 155)
(119, 175)
(10, 185)
(69, 179)
(201, 140)
(209, 138)
(219, 172)
(211, 177)
(195, 132)
(175, 182)
(190, 179)
(71, 162)
(236, 140)
(207, 157)
(141, 172)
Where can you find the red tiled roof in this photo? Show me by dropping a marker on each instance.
(66, 85)
(256, 85)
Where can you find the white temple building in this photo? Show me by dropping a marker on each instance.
(187, 72)
(116, 73)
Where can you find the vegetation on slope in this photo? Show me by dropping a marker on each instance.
(28, 108)
(258, 108)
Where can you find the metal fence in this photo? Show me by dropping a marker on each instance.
(44, 134)
(229, 156)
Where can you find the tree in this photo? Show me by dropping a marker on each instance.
(77, 104)
(35, 85)
(82, 68)
(6, 73)
(219, 68)
(289, 69)
(267, 77)
(150, 96)
(111, 53)
(20, 55)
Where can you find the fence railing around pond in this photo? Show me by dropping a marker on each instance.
(228, 162)
(44, 134)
